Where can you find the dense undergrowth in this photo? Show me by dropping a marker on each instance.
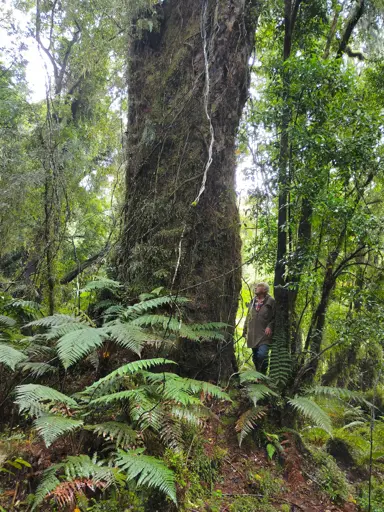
(99, 419)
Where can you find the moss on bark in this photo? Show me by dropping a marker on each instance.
(168, 148)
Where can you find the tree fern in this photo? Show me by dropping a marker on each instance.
(30, 397)
(77, 344)
(248, 421)
(10, 356)
(312, 411)
(149, 471)
(51, 427)
(121, 434)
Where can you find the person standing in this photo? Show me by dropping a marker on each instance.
(259, 326)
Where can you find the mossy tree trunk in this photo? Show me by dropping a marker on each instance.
(187, 85)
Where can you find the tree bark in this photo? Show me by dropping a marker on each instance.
(188, 83)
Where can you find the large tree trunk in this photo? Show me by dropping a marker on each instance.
(187, 86)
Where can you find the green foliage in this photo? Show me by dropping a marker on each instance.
(10, 356)
(149, 471)
(312, 411)
(51, 427)
(248, 421)
(35, 398)
(330, 478)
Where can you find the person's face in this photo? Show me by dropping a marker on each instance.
(260, 291)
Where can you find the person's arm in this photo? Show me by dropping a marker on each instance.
(245, 330)
(271, 324)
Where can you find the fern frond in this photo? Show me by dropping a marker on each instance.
(77, 344)
(30, 397)
(198, 335)
(248, 421)
(53, 321)
(190, 415)
(10, 356)
(165, 322)
(51, 427)
(120, 433)
(29, 306)
(257, 392)
(251, 376)
(47, 485)
(128, 336)
(115, 397)
(37, 369)
(129, 369)
(209, 326)
(75, 468)
(102, 284)
(6, 321)
(338, 393)
(171, 433)
(280, 362)
(59, 331)
(173, 383)
(149, 471)
(312, 411)
(147, 305)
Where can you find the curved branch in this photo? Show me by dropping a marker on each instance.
(352, 21)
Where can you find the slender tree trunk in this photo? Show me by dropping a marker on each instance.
(281, 292)
(188, 83)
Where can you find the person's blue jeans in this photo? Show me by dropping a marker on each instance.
(260, 358)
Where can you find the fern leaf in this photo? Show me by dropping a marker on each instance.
(51, 427)
(115, 397)
(173, 383)
(252, 375)
(75, 468)
(6, 321)
(165, 322)
(149, 471)
(120, 433)
(79, 343)
(57, 332)
(53, 321)
(312, 411)
(280, 362)
(10, 356)
(47, 485)
(102, 284)
(38, 369)
(248, 421)
(257, 392)
(128, 336)
(147, 305)
(331, 392)
(209, 326)
(30, 396)
(129, 369)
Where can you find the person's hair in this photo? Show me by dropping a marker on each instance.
(264, 285)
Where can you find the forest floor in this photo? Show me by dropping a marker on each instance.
(299, 490)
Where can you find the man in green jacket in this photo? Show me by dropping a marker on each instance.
(259, 326)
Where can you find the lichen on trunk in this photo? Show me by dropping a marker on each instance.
(187, 85)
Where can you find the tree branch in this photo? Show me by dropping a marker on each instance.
(352, 21)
